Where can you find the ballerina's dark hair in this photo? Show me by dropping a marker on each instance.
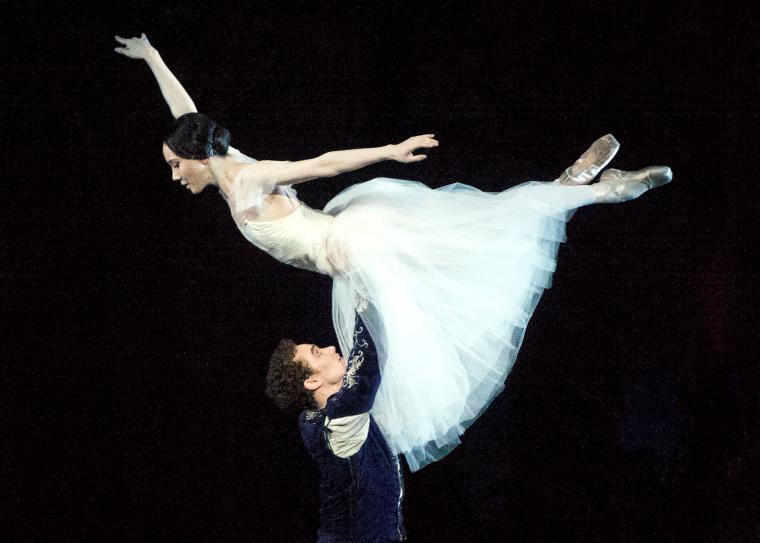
(197, 136)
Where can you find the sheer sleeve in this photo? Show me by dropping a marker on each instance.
(247, 195)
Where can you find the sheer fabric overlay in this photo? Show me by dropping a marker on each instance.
(246, 199)
(450, 278)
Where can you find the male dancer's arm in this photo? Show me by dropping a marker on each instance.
(347, 419)
(362, 377)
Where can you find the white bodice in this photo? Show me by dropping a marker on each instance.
(298, 239)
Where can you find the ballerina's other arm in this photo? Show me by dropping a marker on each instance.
(334, 163)
(175, 95)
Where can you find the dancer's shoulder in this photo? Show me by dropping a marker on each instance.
(239, 156)
(310, 416)
(260, 176)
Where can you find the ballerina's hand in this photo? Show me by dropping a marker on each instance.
(134, 47)
(404, 151)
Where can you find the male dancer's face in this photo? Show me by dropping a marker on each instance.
(326, 365)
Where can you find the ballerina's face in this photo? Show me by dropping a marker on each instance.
(193, 174)
(325, 363)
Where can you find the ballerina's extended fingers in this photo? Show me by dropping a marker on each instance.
(425, 141)
(133, 47)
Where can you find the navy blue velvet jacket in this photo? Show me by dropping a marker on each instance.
(361, 487)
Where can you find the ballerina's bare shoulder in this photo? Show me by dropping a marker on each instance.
(278, 201)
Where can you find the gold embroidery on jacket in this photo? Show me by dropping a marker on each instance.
(356, 360)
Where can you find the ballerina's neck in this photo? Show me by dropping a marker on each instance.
(224, 172)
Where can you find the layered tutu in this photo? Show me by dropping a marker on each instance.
(447, 280)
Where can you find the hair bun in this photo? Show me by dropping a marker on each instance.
(220, 140)
(197, 136)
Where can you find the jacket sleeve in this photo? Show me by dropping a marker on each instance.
(310, 424)
(362, 377)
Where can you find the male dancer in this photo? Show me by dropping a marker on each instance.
(361, 488)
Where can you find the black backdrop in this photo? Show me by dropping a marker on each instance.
(136, 321)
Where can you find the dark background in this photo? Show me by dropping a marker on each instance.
(136, 321)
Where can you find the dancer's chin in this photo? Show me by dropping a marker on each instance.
(193, 189)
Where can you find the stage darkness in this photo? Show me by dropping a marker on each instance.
(136, 320)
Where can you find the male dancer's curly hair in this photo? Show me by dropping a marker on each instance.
(285, 379)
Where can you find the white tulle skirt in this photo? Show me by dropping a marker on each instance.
(450, 278)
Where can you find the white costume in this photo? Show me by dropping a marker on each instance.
(449, 277)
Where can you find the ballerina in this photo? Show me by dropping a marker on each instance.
(446, 280)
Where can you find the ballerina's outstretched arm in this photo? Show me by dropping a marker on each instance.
(332, 163)
(175, 95)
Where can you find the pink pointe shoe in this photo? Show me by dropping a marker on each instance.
(591, 162)
(617, 186)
